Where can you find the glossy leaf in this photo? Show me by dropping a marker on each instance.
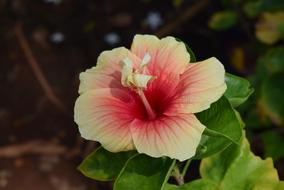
(144, 173)
(238, 168)
(222, 119)
(272, 94)
(211, 133)
(199, 184)
(223, 20)
(103, 165)
(242, 123)
(238, 89)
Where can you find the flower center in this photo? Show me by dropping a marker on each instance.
(150, 112)
(137, 80)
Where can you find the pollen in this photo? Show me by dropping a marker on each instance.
(135, 78)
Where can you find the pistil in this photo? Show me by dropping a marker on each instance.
(137, 80)
(150, 112)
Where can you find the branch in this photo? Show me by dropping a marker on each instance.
(31, 147)
(184, 170)
(178, 176)
(187, 14)
(36, 69)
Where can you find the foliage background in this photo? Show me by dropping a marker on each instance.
(45, 44)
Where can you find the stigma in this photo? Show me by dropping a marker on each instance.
(135, 78)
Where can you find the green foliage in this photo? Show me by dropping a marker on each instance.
(270, 69)
(281, 30)
(271, 5)
(238, 89)
(200, 184)
(223, 20)
(254, 7)
(222, 119)
(273, 145)
(144, 173)
(103, 165)
(272, 97)
(237, 168)
(271, 62)
(227, 161)
(251, 9)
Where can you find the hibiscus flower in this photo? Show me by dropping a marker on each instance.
(145, 98)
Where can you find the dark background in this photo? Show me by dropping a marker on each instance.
(45, 44)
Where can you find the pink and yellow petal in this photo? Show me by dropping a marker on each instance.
(107, 73)
(167, 55)
(174, 136)
(202, 84)
(105, 115)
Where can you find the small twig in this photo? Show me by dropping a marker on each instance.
(31, 147)
(36, 69)
(184, 170)
(177, 175)
(185, 16)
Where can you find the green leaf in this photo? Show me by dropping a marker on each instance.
(223, 20)
(221, 118)
(238, 168)
(252, 9)
(103, 165)
(144, 173)
(273, 145)
(281, 30)
(212, 133)
(189, 50)
(238, 89)
(279, 186)
(272, 94)
(271, 5)
(272, 61)
(199, 184)
(242, 123)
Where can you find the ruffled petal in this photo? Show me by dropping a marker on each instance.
(167, 55)
(202, 84)
(174, 136)
(104, 115)
(107, 73)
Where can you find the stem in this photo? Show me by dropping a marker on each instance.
(150, 112)
(46, 87)
(184, 170)
(186, 15)
(178, 176)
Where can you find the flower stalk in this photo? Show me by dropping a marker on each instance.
(184, 170)
(178, 176)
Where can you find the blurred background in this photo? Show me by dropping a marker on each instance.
(45, 44)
